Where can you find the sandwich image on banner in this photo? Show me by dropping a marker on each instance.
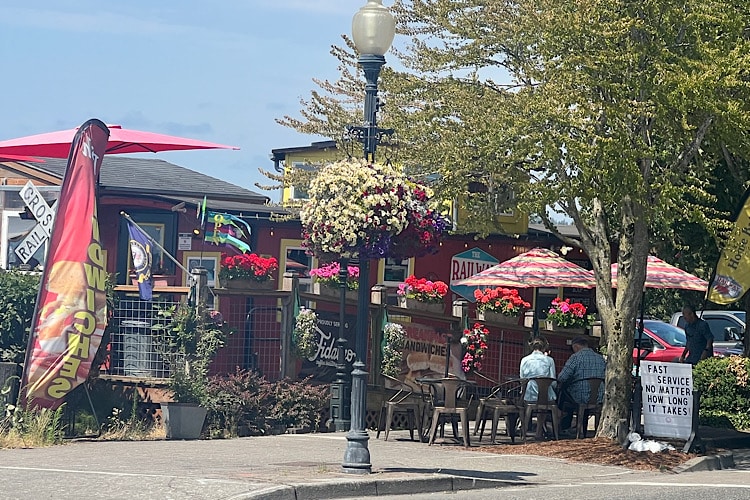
(71, 306)
(732, 274)
(140, 249)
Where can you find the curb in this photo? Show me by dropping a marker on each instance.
(719, 461)
(377, 487)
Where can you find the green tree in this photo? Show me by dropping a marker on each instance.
(617, 115)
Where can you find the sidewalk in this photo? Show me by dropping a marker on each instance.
(301, 466)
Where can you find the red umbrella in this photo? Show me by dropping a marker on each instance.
(659, 274)
(535, 268)
(4, 157)
(538, 267)
(121, 140)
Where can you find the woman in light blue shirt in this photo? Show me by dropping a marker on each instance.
(538, 364)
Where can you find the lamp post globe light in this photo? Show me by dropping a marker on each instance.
(373, 29)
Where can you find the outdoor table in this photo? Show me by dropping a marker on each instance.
(435, 406)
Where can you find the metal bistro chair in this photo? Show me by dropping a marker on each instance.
(591, 407)
(402, 401)
(504, 401)
(449, 408)
(542, 405)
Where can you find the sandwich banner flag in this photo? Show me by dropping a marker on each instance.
(732, 274)
(140, 249)
(71, 307)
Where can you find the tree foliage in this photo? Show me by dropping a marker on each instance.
(622, 116)
(18, 293)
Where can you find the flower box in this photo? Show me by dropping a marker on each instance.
(496, 317)
(416, 305)
(333, 292)
(247, 284)
(575, 331)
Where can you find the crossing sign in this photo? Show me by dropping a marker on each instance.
(45, 216)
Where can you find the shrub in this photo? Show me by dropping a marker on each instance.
(18, 293)
(725, 391)
(297, 403)
(245, 403)
(237, 404)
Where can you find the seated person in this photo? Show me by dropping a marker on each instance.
(583, 363)
(538, 364)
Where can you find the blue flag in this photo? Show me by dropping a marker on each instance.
(140, 249)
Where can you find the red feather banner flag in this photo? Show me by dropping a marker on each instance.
(71, 307)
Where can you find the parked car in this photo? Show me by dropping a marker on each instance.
(727, 327)
(660, 342)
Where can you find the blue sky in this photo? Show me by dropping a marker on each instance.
(215, 71)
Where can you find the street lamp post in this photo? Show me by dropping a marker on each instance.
(373, 29)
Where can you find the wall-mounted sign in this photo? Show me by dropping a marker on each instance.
(466, 264)
(184, 241)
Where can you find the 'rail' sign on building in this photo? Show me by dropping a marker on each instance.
(466, 264)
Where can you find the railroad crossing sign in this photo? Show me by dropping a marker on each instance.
(45, 216)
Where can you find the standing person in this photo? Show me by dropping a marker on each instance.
(700, 340)
(538, 364)
(582, 364)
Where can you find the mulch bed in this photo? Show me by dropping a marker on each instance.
(600, 451)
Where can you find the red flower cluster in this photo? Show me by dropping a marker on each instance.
(247, 266)
(474, 342)
(565, 314)
(423, 289)
(503, 300)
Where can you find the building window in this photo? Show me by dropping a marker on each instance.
(162, 227)
(395, 271)
(295, 260)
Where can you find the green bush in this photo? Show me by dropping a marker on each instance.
(245, 403)
(18, 291)
(725, 391)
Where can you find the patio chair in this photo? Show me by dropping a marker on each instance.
(541, 406)
(404, 401)
(591, 407)
(504, 401)
(448, 408)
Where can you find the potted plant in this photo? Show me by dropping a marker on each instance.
(327, 282)
(422, 294)
(189, 337)
(247, 271)
(565, 315)
(474, 343)
(500, 305)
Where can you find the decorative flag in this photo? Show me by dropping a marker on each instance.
(732, 274)
(71, 307)
(140, 249)
(227, 229)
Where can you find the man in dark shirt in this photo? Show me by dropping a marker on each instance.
(700, 341)
(583, 363)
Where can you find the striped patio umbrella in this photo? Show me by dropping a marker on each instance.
(659, 274)
(538, 267)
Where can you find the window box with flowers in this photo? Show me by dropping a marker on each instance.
(474, 343)
(247, 271)
(422, 294)
(567, 316)
(326, 280)
(500, 305)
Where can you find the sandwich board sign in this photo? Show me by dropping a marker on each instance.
(667, 399)
(466, 264)
(45, 216)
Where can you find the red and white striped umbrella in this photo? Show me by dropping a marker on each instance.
(538, 267)
(659, 274)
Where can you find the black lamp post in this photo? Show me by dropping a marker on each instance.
(373, 29)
